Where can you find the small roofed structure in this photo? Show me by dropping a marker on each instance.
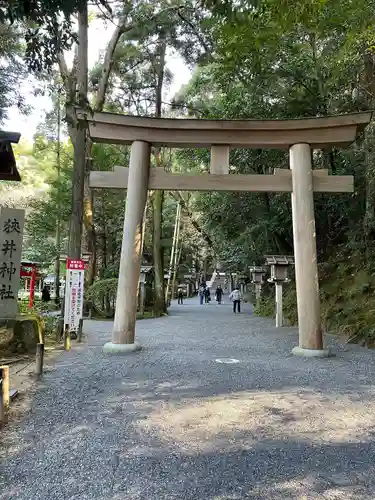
(279, 275)
(8, 167)
(279, 266)
(257, 274)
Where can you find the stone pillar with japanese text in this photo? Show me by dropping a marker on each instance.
(11, 236)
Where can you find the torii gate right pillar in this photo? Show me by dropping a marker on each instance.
(305, 255)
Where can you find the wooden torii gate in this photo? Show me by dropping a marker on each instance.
(299, 136)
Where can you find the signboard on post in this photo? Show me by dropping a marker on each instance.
(74, 293)
(11, 231)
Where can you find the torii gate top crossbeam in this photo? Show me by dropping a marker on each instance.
(113, 128)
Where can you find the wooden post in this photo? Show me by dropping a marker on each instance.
(306, 269)
(2, 406)
(67, 343)
(4, 370)
(60, 329)
(219, 159)
(39, 358)
(80, 328)
(130, 262)
(142, 297)
(4, 393)
(258, 291)
(279, 304)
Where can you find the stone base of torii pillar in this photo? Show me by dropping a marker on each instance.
(111, 348)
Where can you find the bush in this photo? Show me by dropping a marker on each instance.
(347, 301)
(102, 295)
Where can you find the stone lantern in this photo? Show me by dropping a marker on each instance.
(143, 277)
(241, 282)
(257, 275)
(279, 274)
(188, 281)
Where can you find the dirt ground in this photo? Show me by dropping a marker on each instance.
(22, 378)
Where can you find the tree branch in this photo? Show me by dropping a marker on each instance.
(107, 64)
(195, 30)
(64, 72)
(178, 197)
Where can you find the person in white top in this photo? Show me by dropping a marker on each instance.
(236, 298)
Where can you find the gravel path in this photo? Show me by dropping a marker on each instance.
(176, 422)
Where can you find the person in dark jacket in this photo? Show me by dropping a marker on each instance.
(180, 296)
(207, 296)
(202, 292)
(219, 294)
(46, 296)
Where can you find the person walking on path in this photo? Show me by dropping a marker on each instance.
(180, 296)
(207, 295)
(201, 294)
(219, 294)
(236, 298)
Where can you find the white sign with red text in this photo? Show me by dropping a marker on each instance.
(75, 270)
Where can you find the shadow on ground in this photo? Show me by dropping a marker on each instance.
(171, 422)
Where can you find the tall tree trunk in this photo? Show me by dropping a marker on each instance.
(173, 250)
(369, 95)
(78, 136)
(177, 258)
(159, 299)
(58, 221)
(70, 80)
(104, 246)
(206, 237)
(158, 196)
(75, 233)
(88, 210)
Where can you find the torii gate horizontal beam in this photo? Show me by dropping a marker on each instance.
(159, 179)
(114, 128)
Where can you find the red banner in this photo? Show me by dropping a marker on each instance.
(75, 264)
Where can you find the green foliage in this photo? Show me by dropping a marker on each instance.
(102, 287)
(262, 60)
(347, 300)
(265, 308)
(102, 296)
(12, 71)
(47, 24)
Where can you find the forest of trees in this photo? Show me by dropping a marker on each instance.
(272, 59)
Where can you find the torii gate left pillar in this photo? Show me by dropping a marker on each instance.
(130, 261)
(299, 136)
